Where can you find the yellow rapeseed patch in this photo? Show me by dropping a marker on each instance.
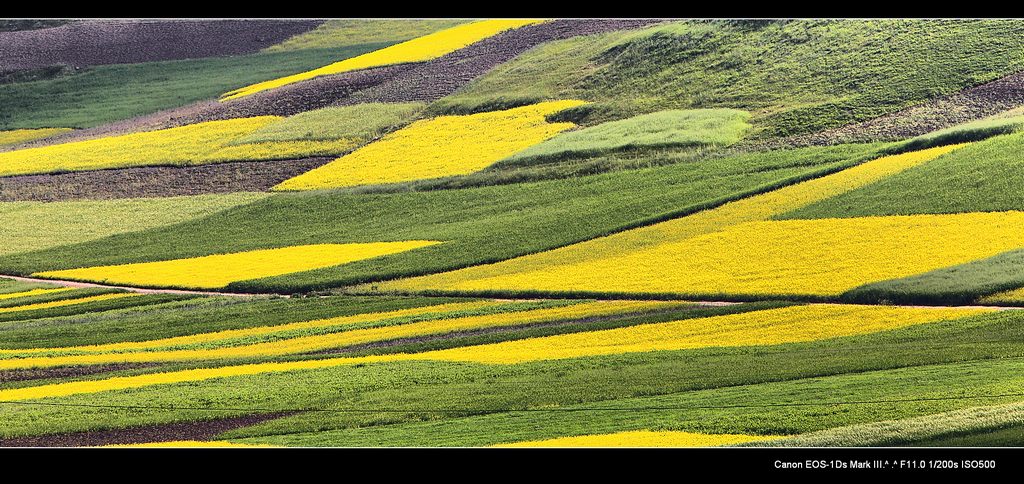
(645, 438)
(795, 257)
(1013, 296)
(664, 248)
(67, 302)
(185, 145)
(217, 271)
(34, 292)
(305, 344)
(800, 323)
(420, 49)
(200, 143)
(438, 147)
(16, 136)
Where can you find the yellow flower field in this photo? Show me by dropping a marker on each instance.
(420, 49)
(217, 271)
(438, 147)
(656, 247)
(645, 438)
(305, 344)
(782, 258)
(208, 142)
(764, 327)
(178, 146)
(67, 302)
(16, 136)
(1013, 296)
(34, 292)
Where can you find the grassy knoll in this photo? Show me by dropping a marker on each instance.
(341, 33)
(358, 122)
(477, 225)
(103, 94)
(677, 128)
(795, 76)
(33, 226)
(712, 375)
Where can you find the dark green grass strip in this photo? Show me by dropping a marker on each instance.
(1012, 436)
(55, 296)
(960, 284)
(85, 308)
(104, 94)
(168, 317)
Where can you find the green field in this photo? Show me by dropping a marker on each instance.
(679, 128)
(695, 249)
(103, 94)
(530, 217)
(34, 226)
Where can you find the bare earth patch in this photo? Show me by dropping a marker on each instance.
(66, 372)
(200, 430)
(971, 104)
(99, 42)
(156, 181)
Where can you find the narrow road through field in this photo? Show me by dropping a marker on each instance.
(143, 290)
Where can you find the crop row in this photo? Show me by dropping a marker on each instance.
(307, 344)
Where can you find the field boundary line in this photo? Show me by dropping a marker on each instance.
(490, 411)
(140, 290)
(702, 303)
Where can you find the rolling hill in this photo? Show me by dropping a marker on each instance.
(511, 232)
